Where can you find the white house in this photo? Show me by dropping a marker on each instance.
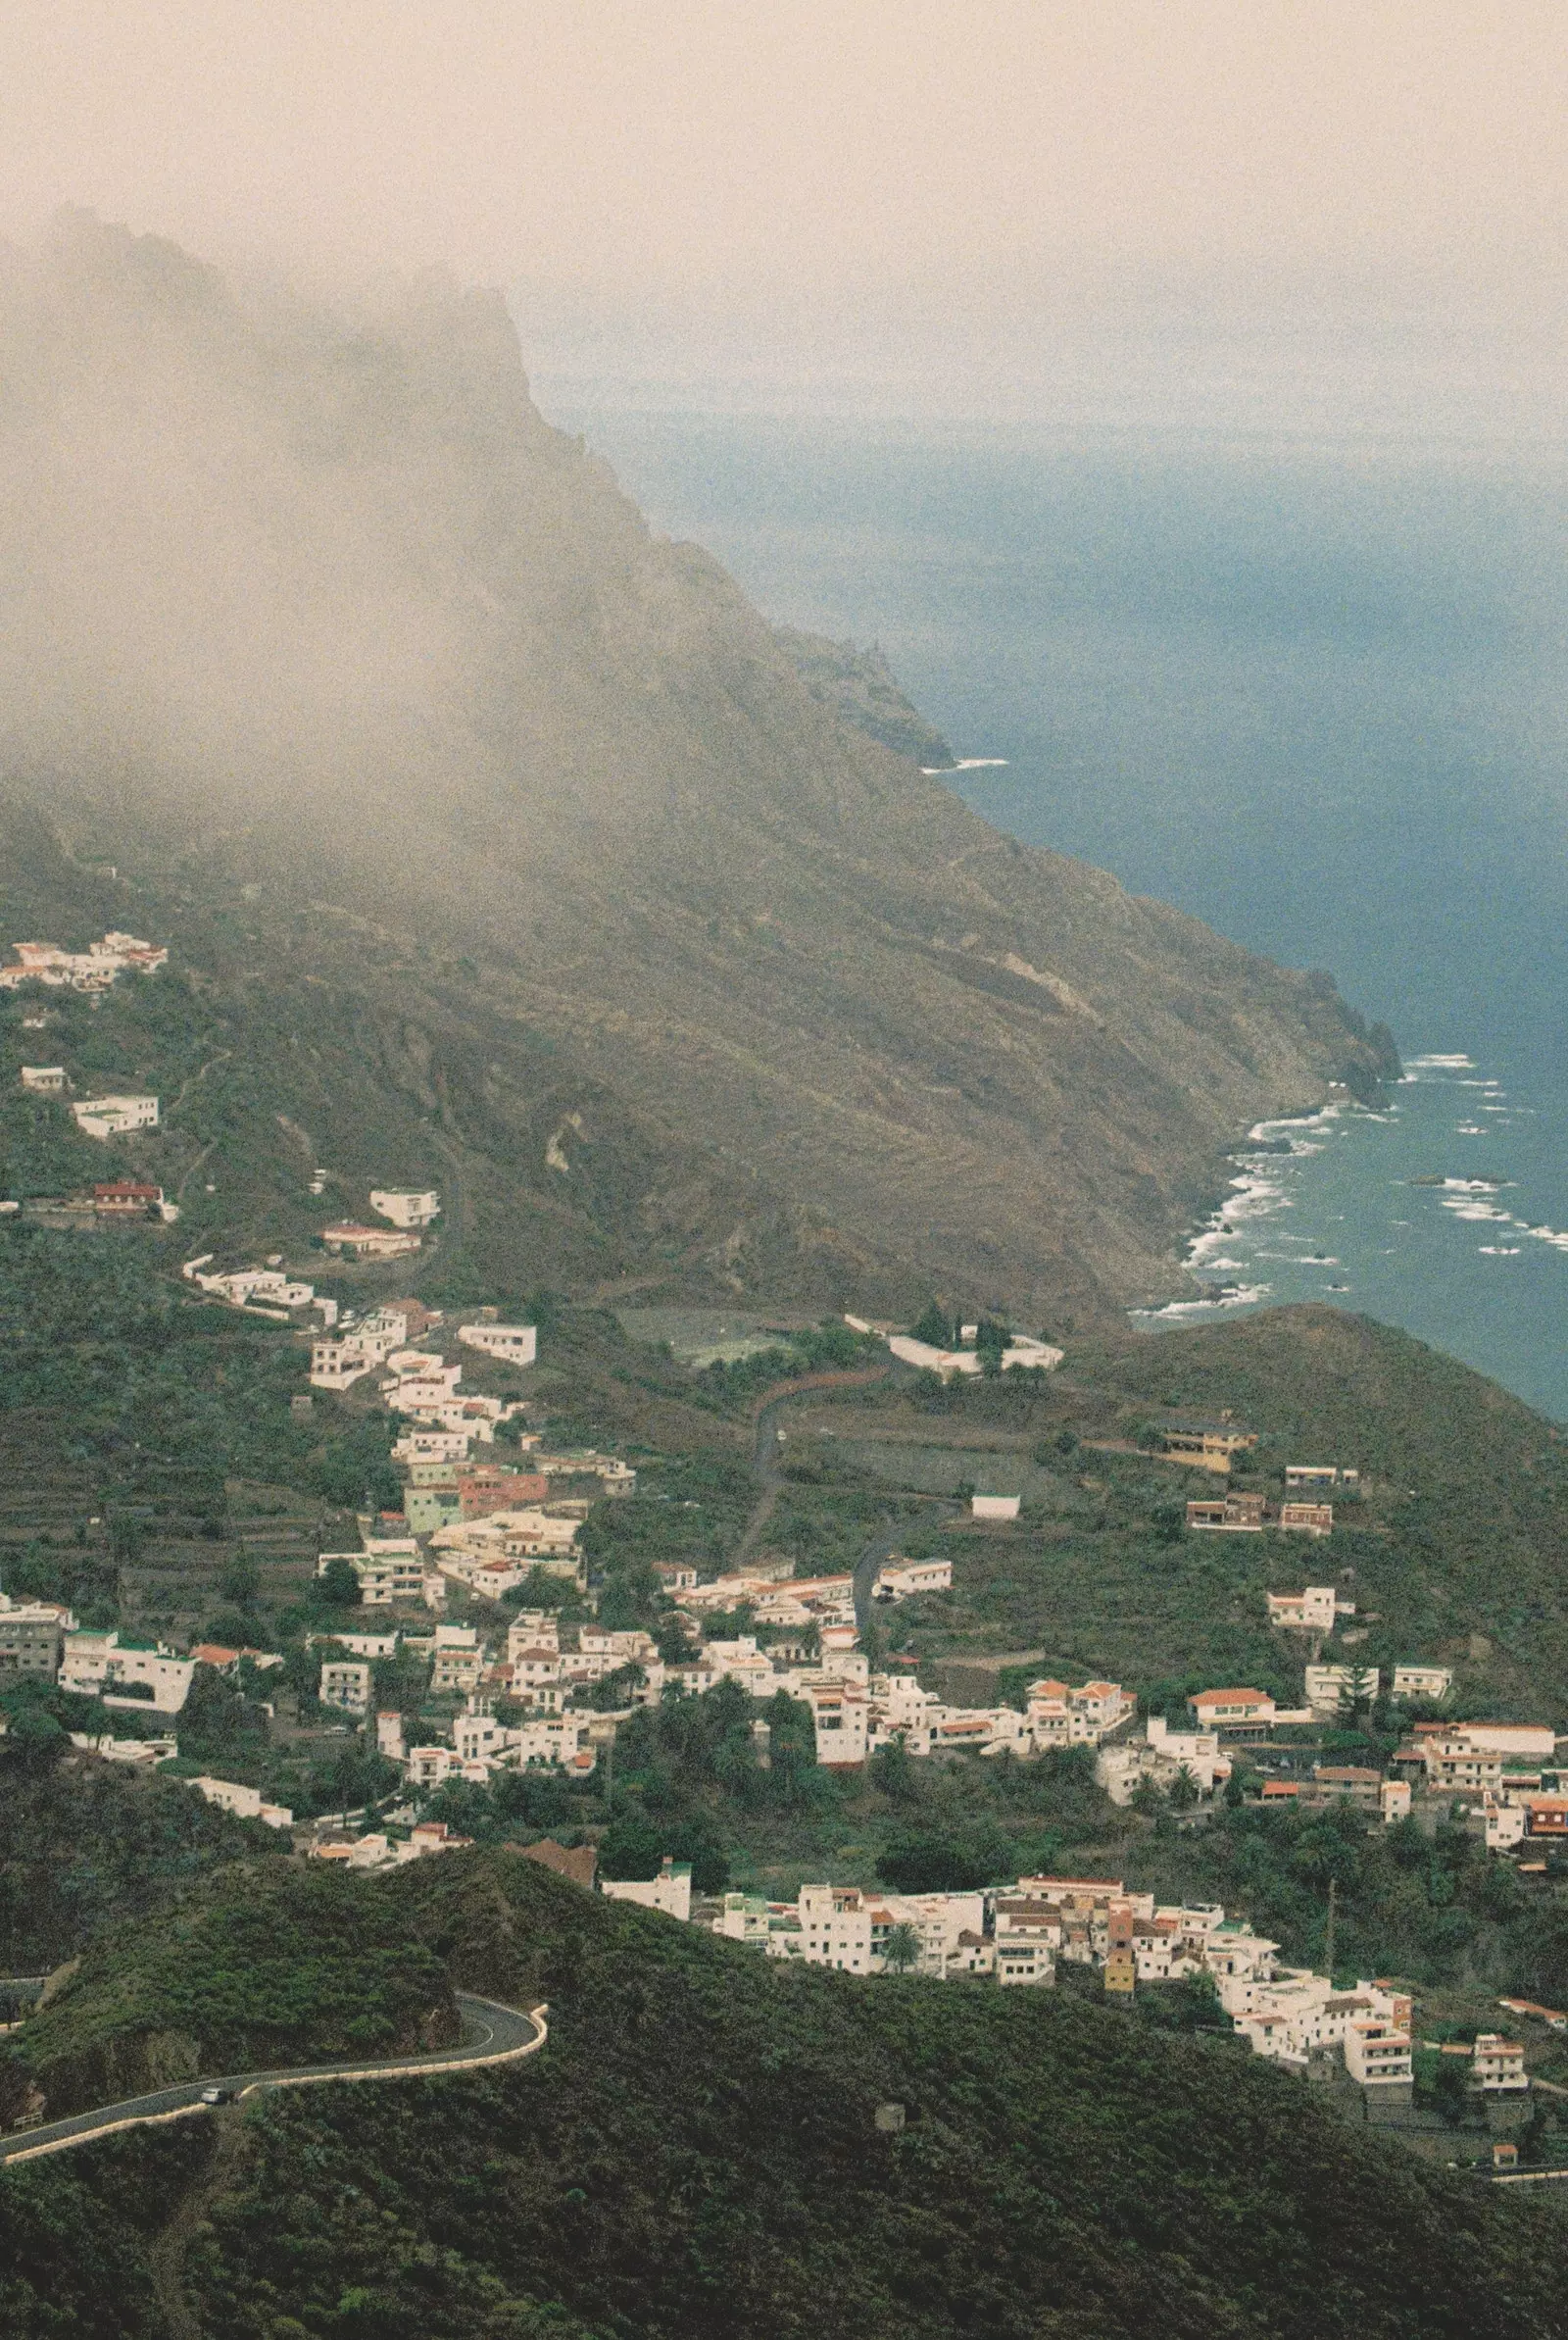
(899, 1579)
(670, 1891)
(1020, 1351)
(458, 1659)
(1059, 1715)
(101, 1665)
(995, 1506)
(512, 1344)
(1313, 1610)
(1028, 1936)
(1431, 1683)
(405, 1210)
(1498, 2066)
(389, 1569)
(1328, 1686)
(246, 1803)
(48, 1079)
(1160, 1757)
(840, 1717)
(360, 1645)
(338, 1364)
(533, 1628)
(358, 1242)
(113, 1116)
(433, 1446)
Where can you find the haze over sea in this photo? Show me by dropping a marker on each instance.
(1314, 693)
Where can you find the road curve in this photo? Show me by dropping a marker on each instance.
(492, 2035)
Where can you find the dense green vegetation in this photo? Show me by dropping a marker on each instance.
(265, 1963)
(77, 2234)
(91, 1848)
(696, 2152)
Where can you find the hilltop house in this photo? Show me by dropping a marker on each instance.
(1307, 1519)
(144, 1675)
(127, 1198)
(246, 1803)
(113, 1116)
(1315, 1609)
(1233, 1514)
(1160, 1757)
(47, 1080)
(670, 1891)
(1431, 1683)
(405, 1209)
(92, 969)
(1061, 1717)
(511, 1344)
(899, 1579)
(1021, 1351)
(1206, 1445)
(357, 1242)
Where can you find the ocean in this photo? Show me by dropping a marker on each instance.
(1315, 693)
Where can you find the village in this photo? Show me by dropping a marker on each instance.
(491, 1511)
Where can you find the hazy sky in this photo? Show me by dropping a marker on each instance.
(926, 202)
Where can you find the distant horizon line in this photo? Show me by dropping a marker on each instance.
(571, 401)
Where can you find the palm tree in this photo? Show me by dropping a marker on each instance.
(901, 1949)
(1185, 1791)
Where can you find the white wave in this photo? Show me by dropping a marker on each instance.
(1244, 1296)
(1440, 1064)
(1500, 1251)
(1307, 1121)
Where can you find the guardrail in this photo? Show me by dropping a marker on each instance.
(427, 2068)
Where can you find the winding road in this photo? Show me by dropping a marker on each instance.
(767, 1468)
(492, 2035)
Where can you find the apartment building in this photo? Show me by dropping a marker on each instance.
(345, 1683)
(32, 1637)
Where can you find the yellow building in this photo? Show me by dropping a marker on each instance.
(1121, 1971)
(1208, 1445)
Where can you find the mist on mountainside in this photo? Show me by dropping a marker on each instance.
(315, 585)
(264, 557)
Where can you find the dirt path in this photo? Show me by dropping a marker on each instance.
(765, 1444)
(165, 2258)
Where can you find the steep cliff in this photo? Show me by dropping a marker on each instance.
(309, 606)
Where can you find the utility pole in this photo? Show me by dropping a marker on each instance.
(1328, 1940)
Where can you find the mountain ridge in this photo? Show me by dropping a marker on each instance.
(406, 648)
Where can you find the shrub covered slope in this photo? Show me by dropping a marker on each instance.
(696, 2152)
(268, 1965)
